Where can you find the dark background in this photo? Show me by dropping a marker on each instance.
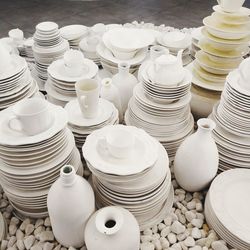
(25, 14)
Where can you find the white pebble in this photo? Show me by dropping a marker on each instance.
(195, 248)
(39, 223)
(147, 232)
(177, 227)
(36, 247)
(46, 236)
(29, 229)
(157, 244)
(48, 246)
(165, 231)
(4, 244)
(168, 221)
(190, 215)
(171, 238)
(29, 241)
(147, 246)
(20, 245)
(218, 245)
(164, 242)
(12, 241)
(196, 233)
(154, 229)
(24, 224)
(12, 229)
(19, 234)
(189, 241)
(47, 222)
(191, 205)
(146, 238)
(197, 223)
(161, 226)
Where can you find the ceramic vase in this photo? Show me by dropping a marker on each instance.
(125, 82)
(111, 93)
(155, 52)
(70, 203)
(112, 228)
(197, 159)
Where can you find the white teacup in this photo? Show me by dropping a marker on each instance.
(73, 62)
(119, 142)
(231, 5)
(17, 36)
(31, 116)
(92, 42)
(87, 91)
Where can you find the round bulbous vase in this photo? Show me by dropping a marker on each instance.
(70, 203)
(197, 159)
(125, 82)
(111, 93)
(112, 228)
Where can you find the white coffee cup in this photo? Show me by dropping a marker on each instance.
(17, 36)
(119, 142)
(231, 5)
(87, 91)
(31, 116)
(73, 62)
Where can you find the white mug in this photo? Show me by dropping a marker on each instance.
(119, 142)
(231, 5)
(17, 36)
(73, 62)
(87, 91)
(31, 116)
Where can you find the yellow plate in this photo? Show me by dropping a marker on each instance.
(230, 19)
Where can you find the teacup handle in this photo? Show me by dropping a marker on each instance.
(11, 125)
(83, 101)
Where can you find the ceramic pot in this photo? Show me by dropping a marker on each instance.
(112, 228)
(197, 159)
(125, 82)
(111, 93)
(70, 203)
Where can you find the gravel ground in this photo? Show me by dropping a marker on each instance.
(185, 228)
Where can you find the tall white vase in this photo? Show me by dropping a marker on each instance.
(125, 82)
(111, 93)
(197, 159)
(70, 203)
(112, 228)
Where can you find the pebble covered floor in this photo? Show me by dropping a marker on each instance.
(184, 229)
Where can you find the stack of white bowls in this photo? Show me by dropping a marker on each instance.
(81, 126)
(175, 41)
(34, 144)
(124, 45)
(64, 73)
(224, 43)
(227, 208)
(130, 169)
(74, 34)
(232, 116)
(196, 37)
(16, 82)
(160, 104)
(48, 46)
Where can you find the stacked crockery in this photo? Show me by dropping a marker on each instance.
(232, 116)
(74, 34)
(160, 104)
(63, 74)
(130, 169)
(227, 207)
(34, 145)
(48, 46)
(16, 82)
(175, 41)
(89, 112)
(27, 51)
(196, 37)
(124, 45)
(224, 44)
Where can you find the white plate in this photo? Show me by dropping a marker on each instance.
(105, 112)
(243, 12)
(144, 155)
(74, 31)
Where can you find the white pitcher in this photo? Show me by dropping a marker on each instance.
(168, 69)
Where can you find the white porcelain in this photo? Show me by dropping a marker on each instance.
(119, 142)
(244, 72)
(92, 42)
(230, 6)
(125, 82)
(98, 29)
(155, 52)
(123, 55)
(111, 93)
(73, 61)
(176, 39)
(17, 36)
(70, 203)
(87, 91)
(197, 159)
(168, 70)
(5, 59)
(112, 228)
(31, 116)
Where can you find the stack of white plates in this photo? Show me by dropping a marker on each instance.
(124, 45)
(175, 41)
(74, 34)
(140, 182)
(227, 207)
(48, 46)
(224, 43)
(16, 82)
(161, 110)
(60, 87)
(3, 227)
(232, 133)
(82, 127)
(196, 37)
(30, 164)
